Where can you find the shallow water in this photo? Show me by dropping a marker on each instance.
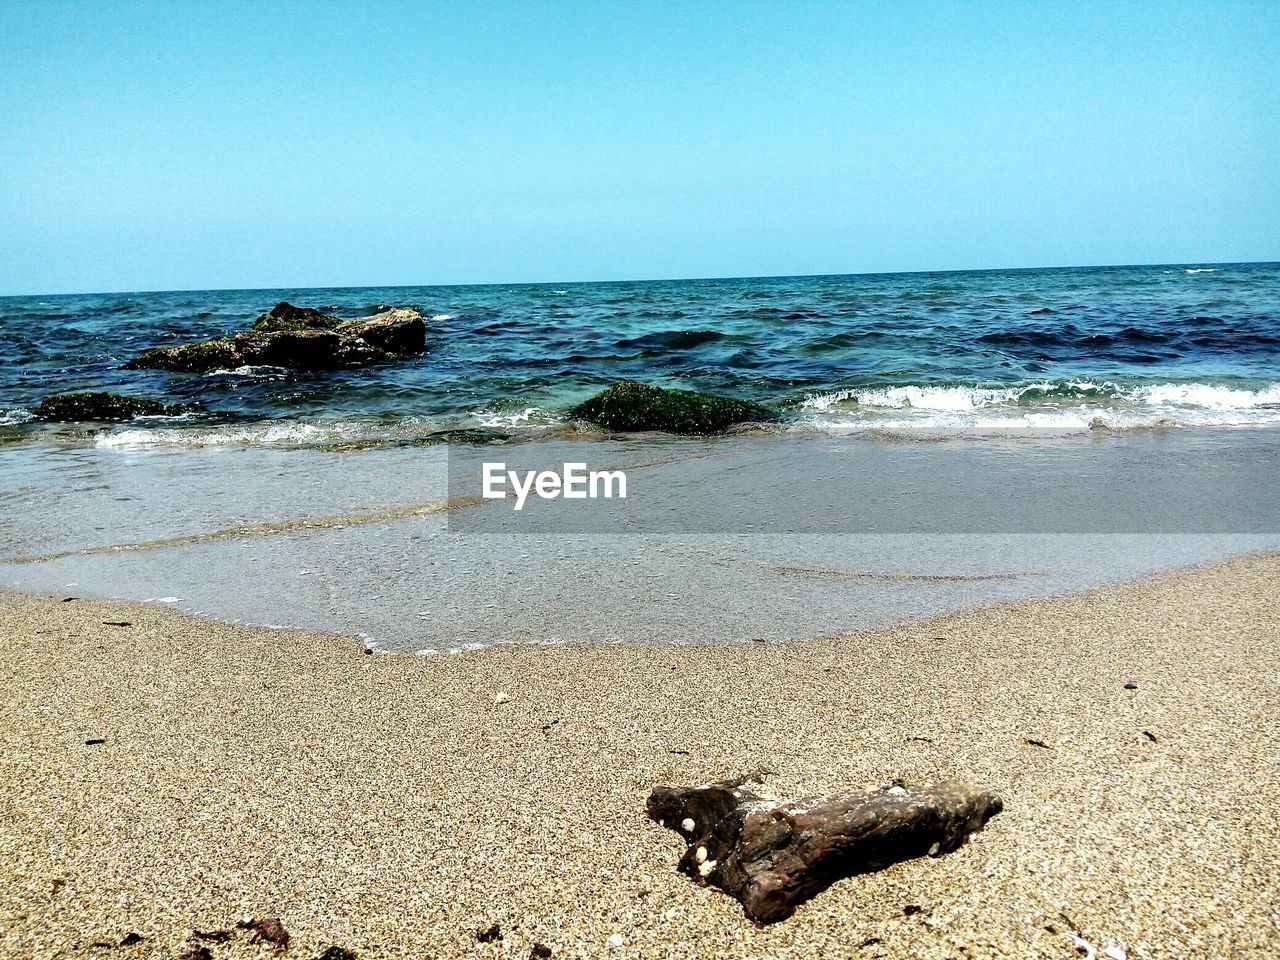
(1025, 350)
(726, 540)
(1096, 424)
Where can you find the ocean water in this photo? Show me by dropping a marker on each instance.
(1059, 350)
(303, 500)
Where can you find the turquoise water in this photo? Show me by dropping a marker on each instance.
(1061, 349)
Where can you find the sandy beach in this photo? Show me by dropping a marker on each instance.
(388, 805)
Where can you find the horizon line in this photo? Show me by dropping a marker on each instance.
(547, 283)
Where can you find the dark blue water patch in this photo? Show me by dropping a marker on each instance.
(775, 340)
(671, 339)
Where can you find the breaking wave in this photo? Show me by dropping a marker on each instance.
(1073, 405)
(15, 416)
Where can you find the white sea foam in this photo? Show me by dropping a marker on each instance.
(918, 398)
(313, 433)
(443, 316)
(1208, 396)
(1070, 406)
(284, 433)
(528, 417)
(1202, 269)
(15, 415)
(261, 371)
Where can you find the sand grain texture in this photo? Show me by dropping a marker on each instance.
(387, 804)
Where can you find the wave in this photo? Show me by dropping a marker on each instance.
(283, 433)
(964, 397)
(253, 371)
(1209, 396)
(15, 416)
(534, 417)
(1073, 406)
(326, 433)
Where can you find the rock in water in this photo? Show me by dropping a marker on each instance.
(99, 405)
(631, 406)
(285, 316)
(298, 338)
(218, 354)
(772, 855)
(399, 331)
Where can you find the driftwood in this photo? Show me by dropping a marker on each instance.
(773, 855)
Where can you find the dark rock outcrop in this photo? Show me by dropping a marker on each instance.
(400, 331)
(299, 339)
(99, 405)
(629, 406)
(285, 316)
(772, 855)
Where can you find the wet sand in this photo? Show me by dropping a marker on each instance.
(394, 545)
(387, 804)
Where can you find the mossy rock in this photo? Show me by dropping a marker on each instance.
(298, 338)
(285, 316)
(217, 354)
(629, 406)
(99, 405)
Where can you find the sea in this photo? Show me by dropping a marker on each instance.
(1069, 350)
(944, 440)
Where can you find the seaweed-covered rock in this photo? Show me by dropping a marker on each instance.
(631, 406)
(217, 354)
(285, 316)
(300, 342)
(99, 405)
(305, 350)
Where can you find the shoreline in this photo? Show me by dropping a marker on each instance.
(388, 804)
(400, 546)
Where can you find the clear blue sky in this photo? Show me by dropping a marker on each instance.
(196, 145)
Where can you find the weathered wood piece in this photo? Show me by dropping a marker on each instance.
(772, 855)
